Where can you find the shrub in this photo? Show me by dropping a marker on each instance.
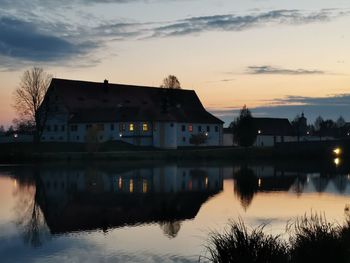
(313, 239)
(237, 244)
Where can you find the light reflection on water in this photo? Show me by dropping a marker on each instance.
(154, 212)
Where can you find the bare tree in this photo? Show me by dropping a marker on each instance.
(29, 97)
(171, 82)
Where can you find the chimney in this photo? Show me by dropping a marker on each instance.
(105, 85)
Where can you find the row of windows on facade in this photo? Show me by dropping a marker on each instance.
(122, 127)
(77, 138)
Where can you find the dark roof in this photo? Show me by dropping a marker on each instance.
(94, 101)
(273, 126)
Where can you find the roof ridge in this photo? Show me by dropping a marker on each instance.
(121, 84)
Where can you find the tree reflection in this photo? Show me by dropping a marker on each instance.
(30, 218)
(170, 229)
(245, 185)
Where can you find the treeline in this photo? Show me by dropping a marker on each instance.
(19, 127)
(245, 132)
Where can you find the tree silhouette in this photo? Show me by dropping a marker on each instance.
(28, 98)
(244, 132)
(30, 218)
(171, 82)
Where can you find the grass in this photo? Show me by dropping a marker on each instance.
(237, 244)
(311, 239)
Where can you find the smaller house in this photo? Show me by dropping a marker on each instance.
(273, 130)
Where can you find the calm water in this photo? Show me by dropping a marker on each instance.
(147, 212)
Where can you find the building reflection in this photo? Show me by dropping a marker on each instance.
(252, 179)
(77, 199)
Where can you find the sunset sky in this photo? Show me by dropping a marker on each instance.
(279, 57)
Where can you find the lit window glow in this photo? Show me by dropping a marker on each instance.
(131, 186)
(190, 128)
(145, 127)
(337, 161)
(131, 127)
(120, 182)
(337, 151)
(144, 186)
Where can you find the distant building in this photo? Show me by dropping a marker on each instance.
(269, 131)
(144, 116)
(272, 130)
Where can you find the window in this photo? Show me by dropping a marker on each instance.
(55, 128)
(63, 128)
(131, 186)
(190, 128)
(171, 124)
(100, 127)
(112, 127)
(208, 128)
(131, 127)
(73, 127)
(43, 138)
(183, 128)
(216, 128)
(78, 138)
(88, 126)
(184, 139)
(199, 128)
(145, 127)
(48, 128)
(101, 138)
(121, 126)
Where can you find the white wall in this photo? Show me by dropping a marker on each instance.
(214, 136)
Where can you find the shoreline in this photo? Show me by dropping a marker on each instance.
(23, 152)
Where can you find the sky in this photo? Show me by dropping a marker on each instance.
(278, 57)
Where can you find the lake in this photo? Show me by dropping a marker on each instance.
(155, 211)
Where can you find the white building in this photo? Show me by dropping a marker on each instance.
(269, 131)
(143, 116)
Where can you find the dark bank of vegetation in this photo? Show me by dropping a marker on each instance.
(311, 239)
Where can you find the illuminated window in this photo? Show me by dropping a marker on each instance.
(120, 182)
(131, 127)
(145, 127)
(144, 186)
(190, 128)
(131, 186)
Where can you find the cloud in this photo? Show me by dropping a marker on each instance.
(36, 35)
(24, 40)
(269, 70)
(233, 22)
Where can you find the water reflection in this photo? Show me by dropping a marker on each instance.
(251, 179)
(71, 199)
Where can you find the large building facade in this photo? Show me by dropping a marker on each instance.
(79, 111)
